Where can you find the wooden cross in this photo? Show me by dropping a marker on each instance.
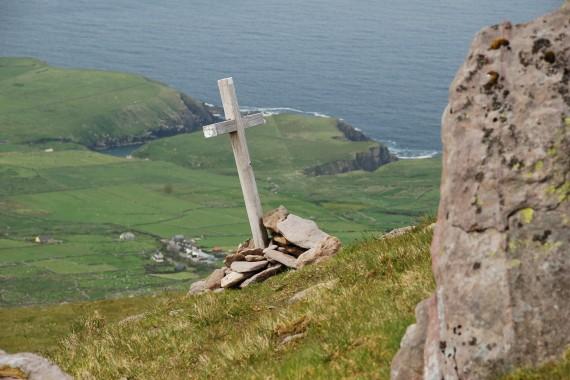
(235, 126)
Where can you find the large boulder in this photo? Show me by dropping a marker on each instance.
(30, 367)
(501, 246)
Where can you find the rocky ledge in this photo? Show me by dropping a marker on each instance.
(368, 160)
(295, 242)
(191, 116)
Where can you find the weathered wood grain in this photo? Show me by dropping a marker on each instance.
(230, 126)
(243, 162)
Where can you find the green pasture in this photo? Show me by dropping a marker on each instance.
(39, 103)
(180, 276)
(63, 266)
(87, 199)
(286, 143)
(178, 185)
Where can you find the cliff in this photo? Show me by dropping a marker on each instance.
(367, 160)
(97, 109)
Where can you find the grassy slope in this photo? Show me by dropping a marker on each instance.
(351, 331)
(44, 102)
(557, 370)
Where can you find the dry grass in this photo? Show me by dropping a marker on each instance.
(347, 331)
(350, 331)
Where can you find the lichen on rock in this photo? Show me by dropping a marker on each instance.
(500, 250)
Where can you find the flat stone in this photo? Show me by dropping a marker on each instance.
(229, 259)
(294, 250)
(233, 279)
(33, 366)
(283, 258)
(254, 258)
(275, 216)
(324, 250)
(248, 266)
(251, 251)
(280, 240)
(302, 232)
(197, 287)
(397, 232)
(293, 338)
(262, 276)
(214, 280)
(271, 247)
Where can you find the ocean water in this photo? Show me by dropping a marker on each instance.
(384, 66)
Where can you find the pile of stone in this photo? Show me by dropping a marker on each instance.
(294, 243)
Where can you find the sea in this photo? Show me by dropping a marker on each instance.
(383, 66)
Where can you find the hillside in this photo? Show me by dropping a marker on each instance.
(42, 103)
(287, 143)
(87, 199)
(239, 334)
(183, 184)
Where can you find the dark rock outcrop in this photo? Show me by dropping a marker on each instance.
(501, 247)
(351, 133)
(369, 160)
(191, 116)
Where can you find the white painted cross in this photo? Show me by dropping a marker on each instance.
(235, 126)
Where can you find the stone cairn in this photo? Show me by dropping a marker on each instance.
(295, 242)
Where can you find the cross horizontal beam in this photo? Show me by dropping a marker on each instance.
(229, 126)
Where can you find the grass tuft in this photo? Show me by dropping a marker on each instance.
(351, 330)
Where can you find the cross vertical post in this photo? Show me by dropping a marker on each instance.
(235, 126)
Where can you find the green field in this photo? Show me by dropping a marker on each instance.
(179, 185)
(40, 103)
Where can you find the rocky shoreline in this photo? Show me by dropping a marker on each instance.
(198, 114)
